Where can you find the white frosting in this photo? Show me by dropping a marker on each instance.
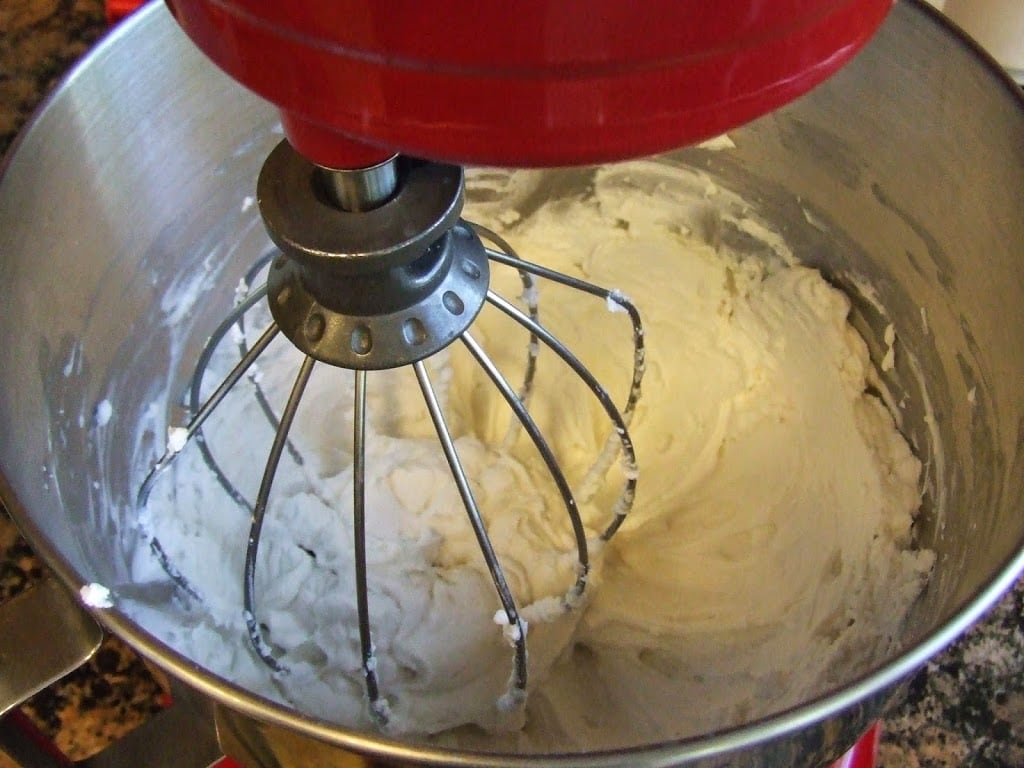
(176, 439)
(767, 556)
(104, 410)
(96, 596)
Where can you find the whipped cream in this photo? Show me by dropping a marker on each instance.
(768, 555)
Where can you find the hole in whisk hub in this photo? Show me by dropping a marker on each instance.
(414, 332)
(384, 319)
(453, 303)
(362, 340)
(315, 326)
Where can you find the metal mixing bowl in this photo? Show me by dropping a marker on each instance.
(904, 172)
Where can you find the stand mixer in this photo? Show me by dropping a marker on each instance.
(376, 269)
(123, 263)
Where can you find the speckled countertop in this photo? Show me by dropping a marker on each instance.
(966, 708)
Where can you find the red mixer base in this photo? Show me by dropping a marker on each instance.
(39, 751)
(118, 9)
(863, 754)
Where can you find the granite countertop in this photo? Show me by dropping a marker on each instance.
(966, 707)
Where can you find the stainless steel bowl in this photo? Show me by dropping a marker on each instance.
(904, 172)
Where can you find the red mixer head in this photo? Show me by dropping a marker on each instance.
(525, 83)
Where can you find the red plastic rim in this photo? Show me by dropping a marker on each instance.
(529, 83)
(864, 753)
(116, 10)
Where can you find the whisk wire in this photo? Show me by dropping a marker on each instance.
(378, 705)
(530, 298)
(196, 422)
(616, 301)
(259, 513)
(628, 494)
(192, 429)
(260, 396)
(234, 318)
(516, 693)
(524, 418)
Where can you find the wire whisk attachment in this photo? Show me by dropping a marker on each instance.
(386, 301)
